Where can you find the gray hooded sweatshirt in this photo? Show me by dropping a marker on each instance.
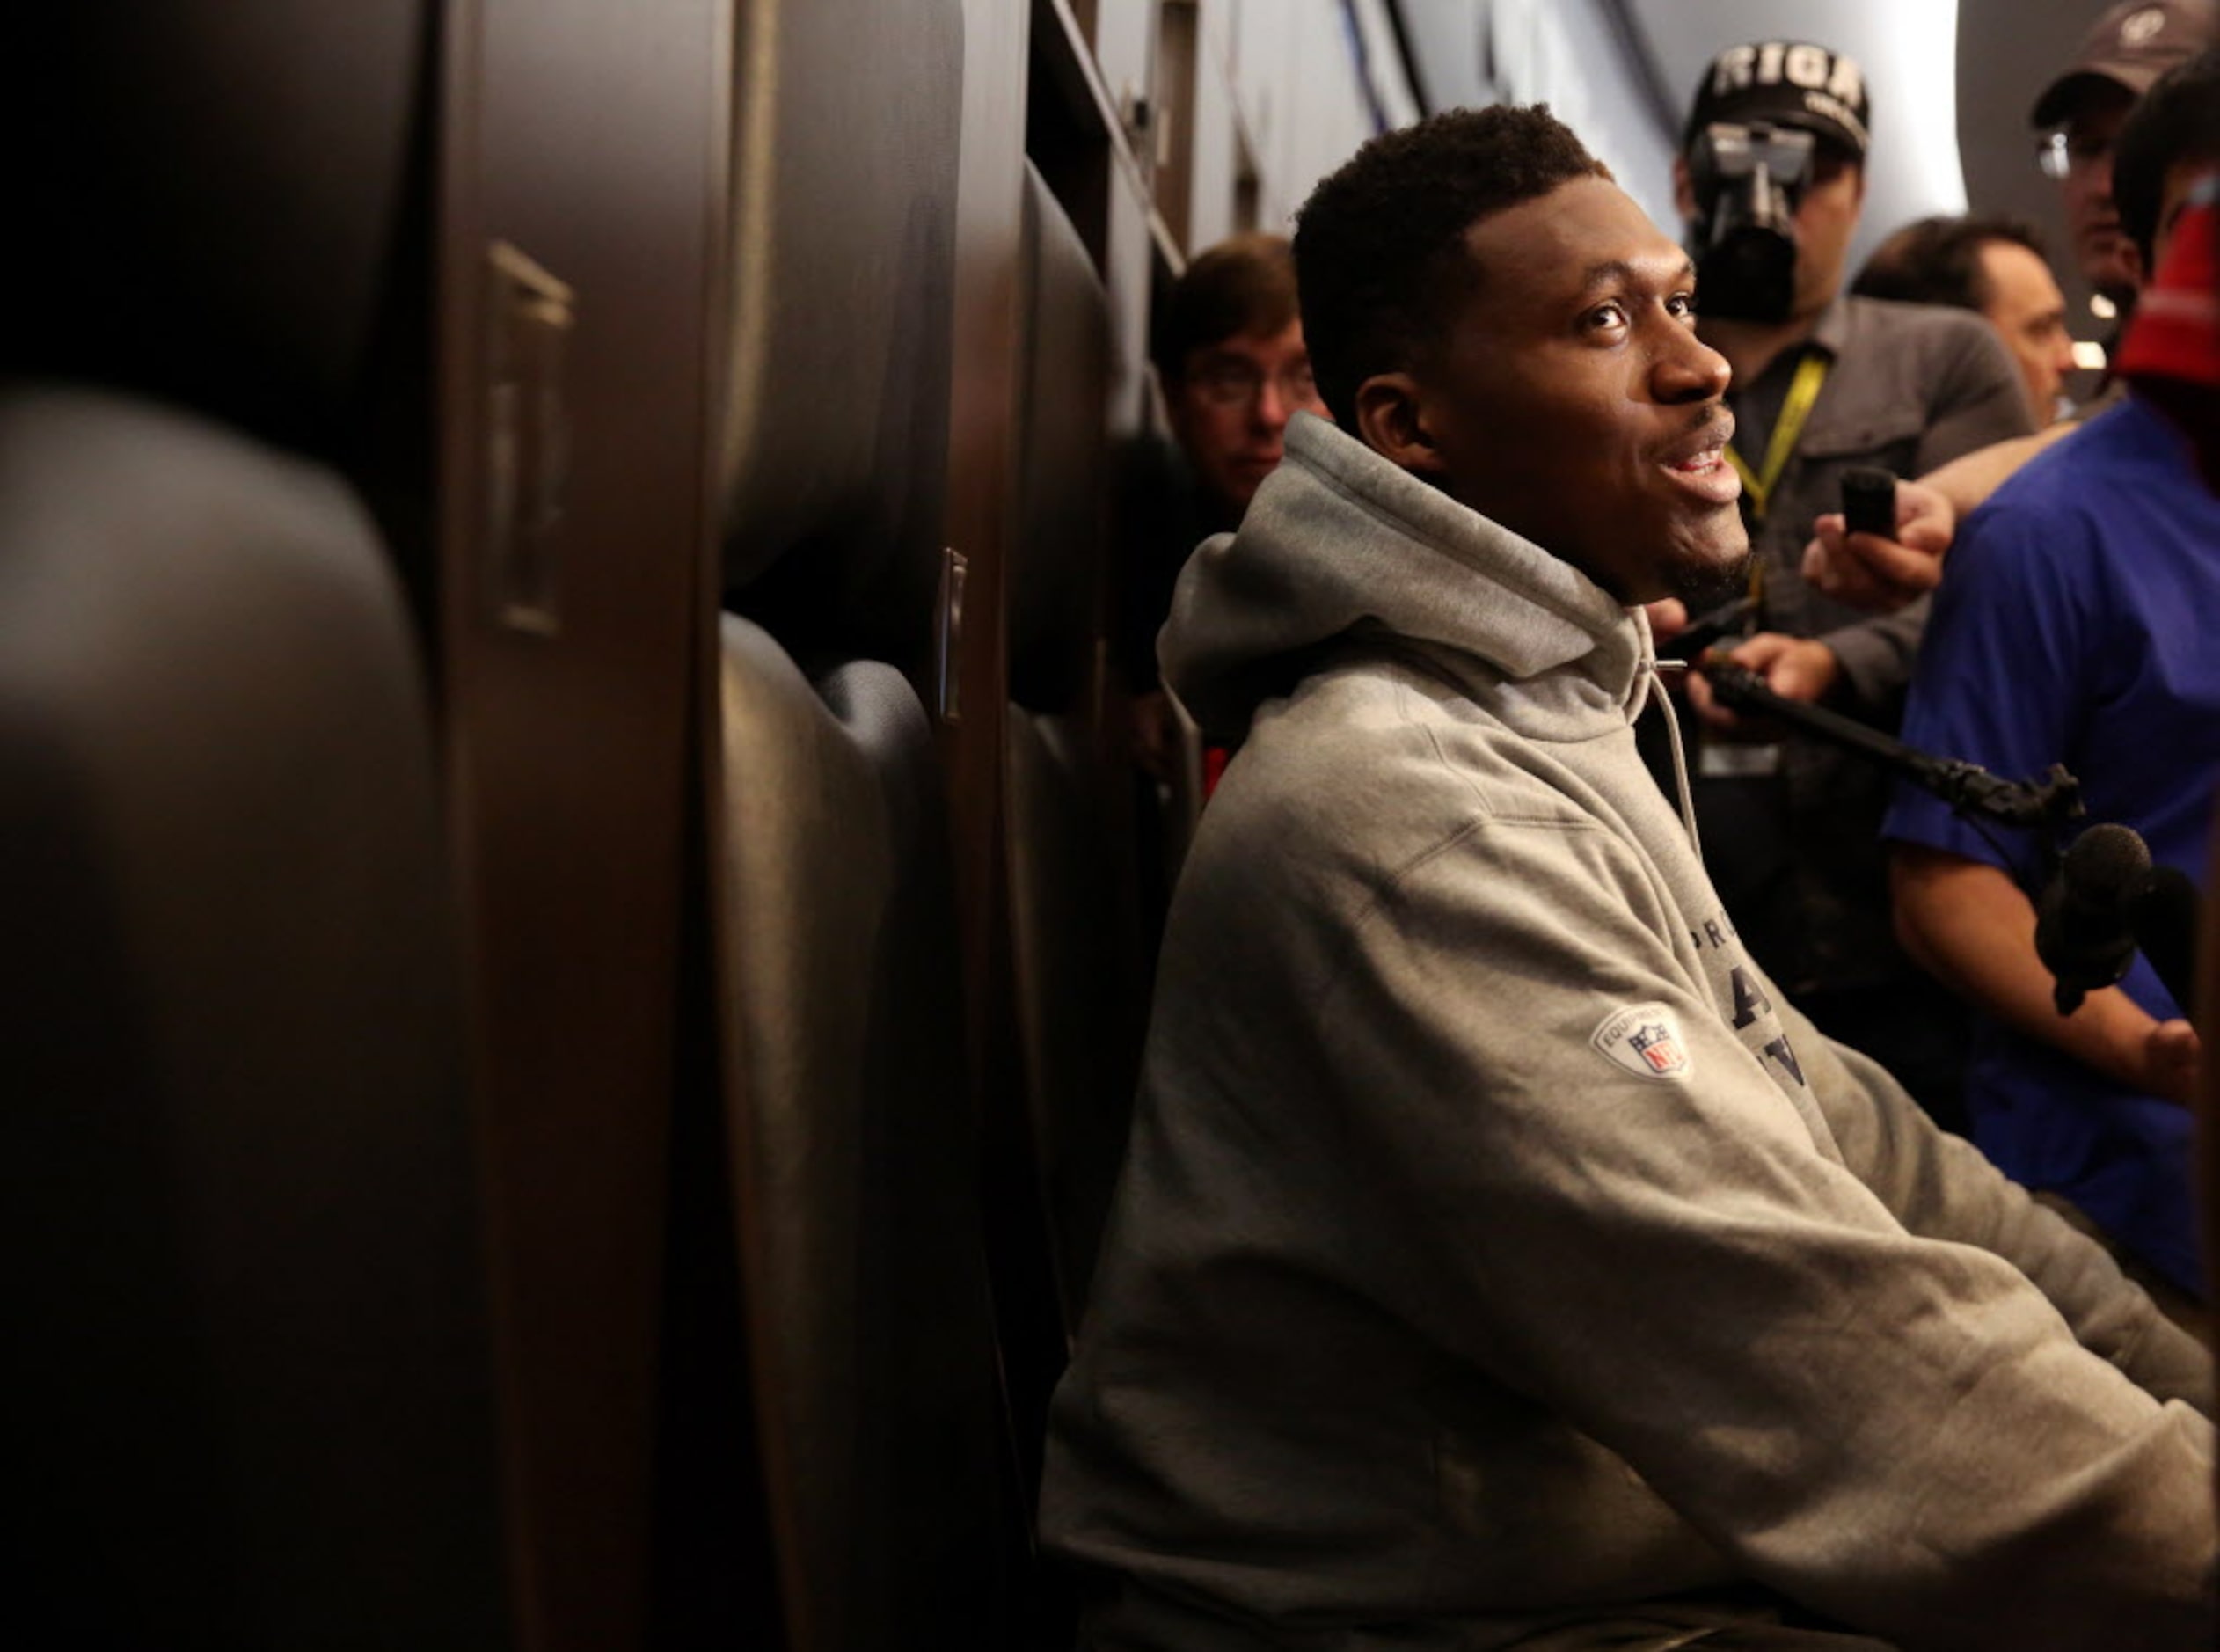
(1498, 1258)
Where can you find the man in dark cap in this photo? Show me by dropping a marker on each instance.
(1821, 382)
(2078, 117)
(2080, 114)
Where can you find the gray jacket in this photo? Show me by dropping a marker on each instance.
(1496, 1249)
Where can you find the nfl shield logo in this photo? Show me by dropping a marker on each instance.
(1645, 1039)
(1655, 1043)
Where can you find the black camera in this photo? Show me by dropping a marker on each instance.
(1748, 179)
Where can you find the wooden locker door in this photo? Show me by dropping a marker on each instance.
(582, 160)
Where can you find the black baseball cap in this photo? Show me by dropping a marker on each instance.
(2130, 46)
(1788, 82)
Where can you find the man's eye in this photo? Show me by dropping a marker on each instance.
(1609, 315)
(1681, 304)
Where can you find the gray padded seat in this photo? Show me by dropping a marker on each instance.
(855, 1144)
(835, 458)
(1073, 933)
(250, 1393)
(854, 1157)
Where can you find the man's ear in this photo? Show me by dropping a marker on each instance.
(1683, 190)
(1390, 417)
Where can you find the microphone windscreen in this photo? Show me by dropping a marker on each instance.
(2081, 919)
(2106, 866)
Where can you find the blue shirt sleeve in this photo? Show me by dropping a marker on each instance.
(2000, 679)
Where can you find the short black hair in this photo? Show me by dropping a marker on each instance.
(1938, 261)
(1379, 247)
(2177, 119)
(1240, 286)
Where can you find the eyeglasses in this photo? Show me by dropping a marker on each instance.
(2061, 152)
(1239, 383)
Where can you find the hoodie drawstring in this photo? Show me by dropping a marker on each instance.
(1655, 696)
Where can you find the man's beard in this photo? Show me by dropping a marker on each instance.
(1703, 586)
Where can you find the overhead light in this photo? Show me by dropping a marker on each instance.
(2102, 307)
(2089, 354)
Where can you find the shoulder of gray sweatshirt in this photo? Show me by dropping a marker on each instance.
(1495, 1248)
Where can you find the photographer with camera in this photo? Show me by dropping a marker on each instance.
(1772, 180)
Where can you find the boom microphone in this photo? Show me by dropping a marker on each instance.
(2081, 922)
(1967, 787)
(2107, 902)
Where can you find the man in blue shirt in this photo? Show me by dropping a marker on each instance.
(2076, 625)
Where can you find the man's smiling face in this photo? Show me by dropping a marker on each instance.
(1572, 402)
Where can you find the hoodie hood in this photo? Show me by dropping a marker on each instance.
(1341, 545)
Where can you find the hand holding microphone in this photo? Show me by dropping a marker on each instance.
(1883, 559)
(1798, 669)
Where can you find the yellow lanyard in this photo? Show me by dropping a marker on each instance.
(1803, 391)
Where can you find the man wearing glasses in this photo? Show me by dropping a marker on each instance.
(1229, 349)
(2077, 118)
(2080, 114)
(1227, 341)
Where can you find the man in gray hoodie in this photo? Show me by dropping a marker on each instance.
(1499, 1258)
